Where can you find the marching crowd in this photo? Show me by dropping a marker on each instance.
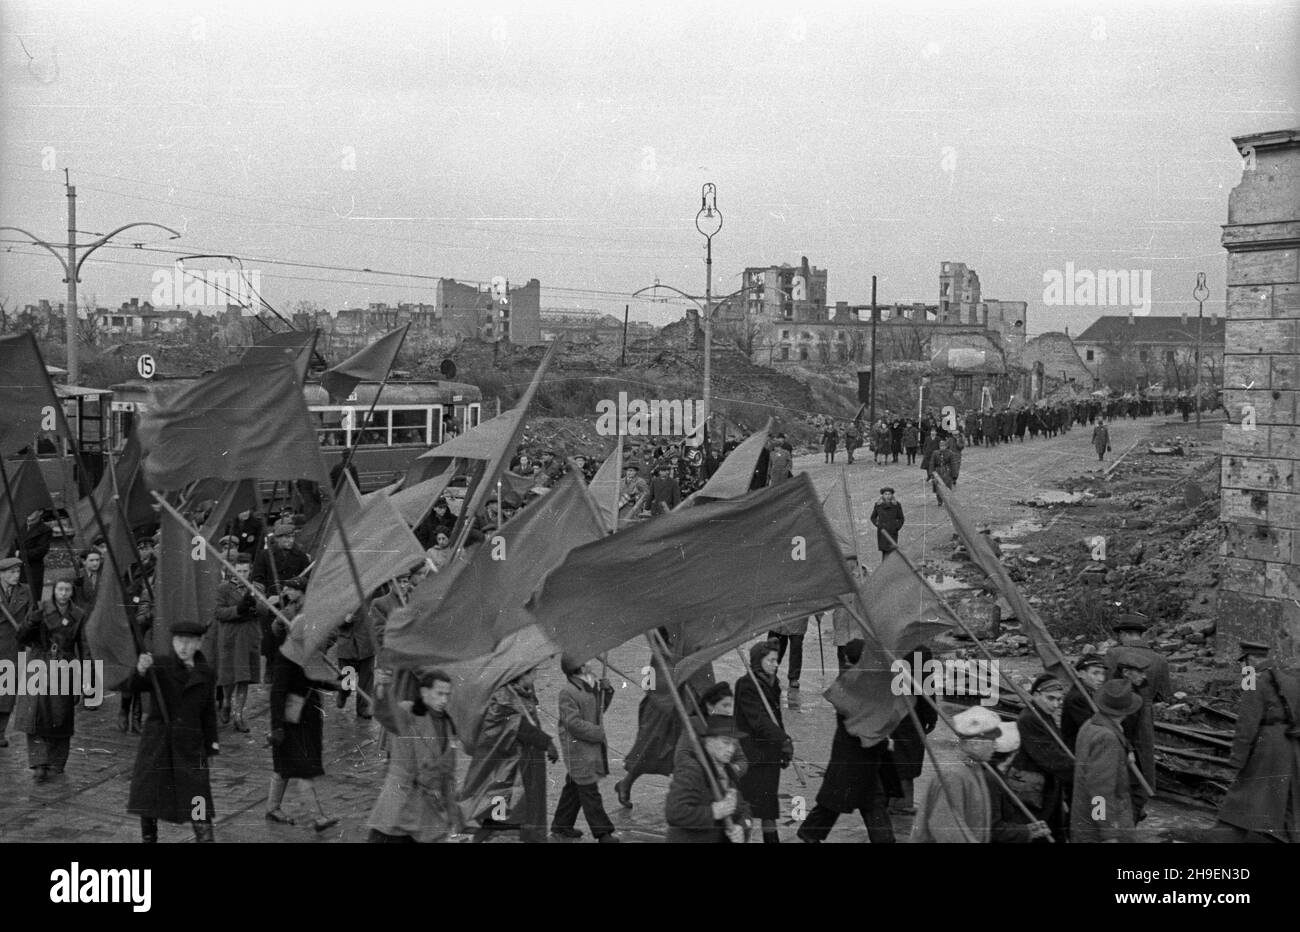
(1078, 764)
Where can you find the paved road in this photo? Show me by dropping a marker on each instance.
(88, 803)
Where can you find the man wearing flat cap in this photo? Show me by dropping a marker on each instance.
(1043, 765)
(971, 821)
(887, 516)
(1263, 804)
(1149, 673)
(1076, 709)
(1101, 809)
(170, 781)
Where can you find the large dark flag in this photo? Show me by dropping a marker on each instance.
(28, 405)
(188, 571)
(295, 346)
(381, 547)
(478, 598)
(127, 480)
(27, 486)
(371, 364)
(723, 571)
(238, 423)
(982, 555)
(108, 630)
(904, 613)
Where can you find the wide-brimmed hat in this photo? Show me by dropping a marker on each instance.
(719, 726)
(1116, 697)
(888, 488)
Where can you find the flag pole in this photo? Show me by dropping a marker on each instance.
(706, 763)
(1041, 631)
(475, 492)
(256, 593)
(1015, 687)
(618, 475)
(62, 420)
(918, 690)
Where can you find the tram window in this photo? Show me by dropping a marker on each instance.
(411, 425)
(329, 428)
(376, 432)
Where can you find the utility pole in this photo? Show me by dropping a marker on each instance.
(72, 268)
(1200, 293)
(872, 393)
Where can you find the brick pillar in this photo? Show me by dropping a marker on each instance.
(1260, 593)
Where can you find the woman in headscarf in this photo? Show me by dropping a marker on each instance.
(766, 745)
(505, 786)
(55, 633)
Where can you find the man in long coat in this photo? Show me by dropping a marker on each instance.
(1263, 803)
(1041, 753)
(857, 777)
(1101, 809)
(15, 605)
(1155, 686)
(1101, 440)
(170, 781)
(887, 516)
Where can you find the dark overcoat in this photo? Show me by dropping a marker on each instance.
(887, 517)
(51, 635)
(1263, 798)
(171, 764)
(856, 774)
(762, 744)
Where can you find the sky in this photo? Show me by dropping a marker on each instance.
(569, 143)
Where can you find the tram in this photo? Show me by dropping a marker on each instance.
(408, 418)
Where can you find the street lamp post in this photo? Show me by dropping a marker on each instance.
(1200, 293)
(72, 271)
(709, 222)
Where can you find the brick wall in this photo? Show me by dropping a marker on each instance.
(1260, 591)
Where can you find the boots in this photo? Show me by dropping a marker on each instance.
(770, 837)
(203, 833)
(148, 830)
(137, 713)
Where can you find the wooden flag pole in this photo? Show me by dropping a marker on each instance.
(917, 690)
(940, 490)
(1017, 689)
(257, 594)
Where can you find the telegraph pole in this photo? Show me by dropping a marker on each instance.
(72, 268)
(708, 221)
(872, 393)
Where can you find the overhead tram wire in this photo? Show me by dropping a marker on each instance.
(561, 289)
